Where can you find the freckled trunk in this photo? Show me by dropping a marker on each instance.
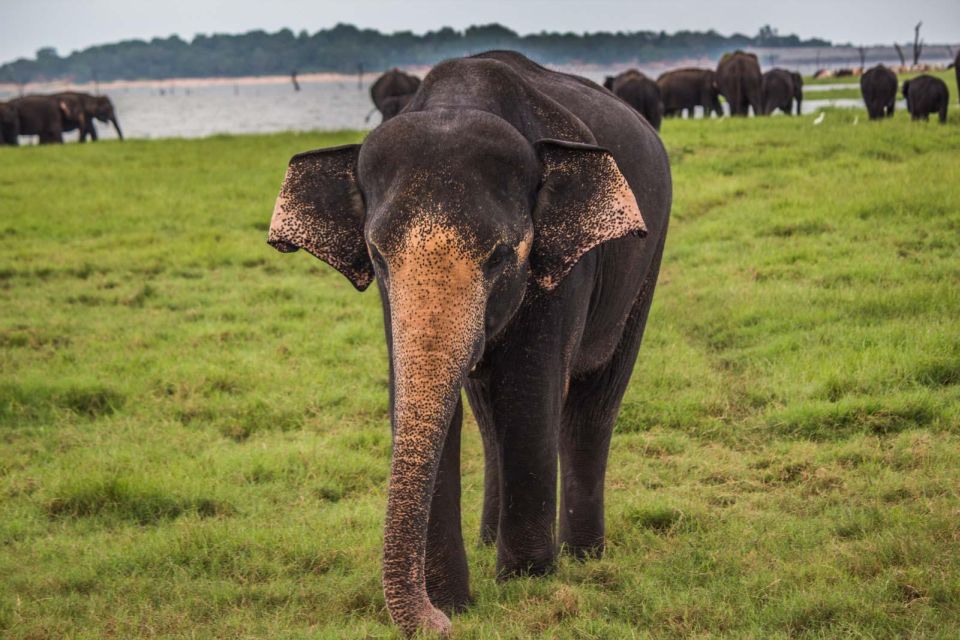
(436, 322)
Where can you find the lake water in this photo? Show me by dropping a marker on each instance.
(196, 109)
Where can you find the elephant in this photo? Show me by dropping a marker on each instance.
(94, 107)
(688, 88)
(44, 116)
(640, 92)
(739, 79)
(926, 94)
(780, 91)
(393, 91)
(879, 88)
(513, 219)
(9, 124)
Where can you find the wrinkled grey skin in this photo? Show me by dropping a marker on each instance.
(392, 92)
(739, 79)
(779, 88)
(44, 116)
(640, 92)
(9, 124)
(513, 219)
(686, 89)
(878, 85)
(94, 108)
(926, 94)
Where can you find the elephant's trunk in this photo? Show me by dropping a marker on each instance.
(436, 324)
(116, 125)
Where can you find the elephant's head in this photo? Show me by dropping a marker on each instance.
(457, 217)
(104, 112)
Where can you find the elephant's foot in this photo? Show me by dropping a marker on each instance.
(514, 565)
(584, 548)
(450, 594)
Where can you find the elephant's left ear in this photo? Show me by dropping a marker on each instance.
(320, 209)
(584, 201)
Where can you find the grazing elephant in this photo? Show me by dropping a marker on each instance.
(9, 124)
(393, 91)
(94, 107)
(513, 218)
(689, 88)
(925, 95)
(879, 88)
(640, 92)
(44, 116)
(739, 79)
(779, 90)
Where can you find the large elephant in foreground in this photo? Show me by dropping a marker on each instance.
(878, 85)
(94, 108)
(926, 94)
(513, 219)
(686, 89)
(44, 116)
(739, 79)
(393, 91)
(781, 89)
(9, 124)
(640, 92)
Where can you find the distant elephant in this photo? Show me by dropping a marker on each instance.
(879, 88)
(640, 92)
(9, 124)
(94, 107)
(739, 78)
(44, 116)
(689, 88)
(513, 219)
(393, 91)
(779, 89)
(925, 95)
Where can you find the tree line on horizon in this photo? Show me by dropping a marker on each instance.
(348, 49)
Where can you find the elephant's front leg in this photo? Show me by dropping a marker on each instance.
(447, 576)
(527, 413)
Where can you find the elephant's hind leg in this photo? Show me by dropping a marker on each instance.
(447, 576)
(589, 414)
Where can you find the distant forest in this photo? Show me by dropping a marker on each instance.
(347, 49)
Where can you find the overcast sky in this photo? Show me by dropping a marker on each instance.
(27, 25)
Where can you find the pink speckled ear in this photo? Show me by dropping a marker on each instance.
(584, 201)
(320, 209)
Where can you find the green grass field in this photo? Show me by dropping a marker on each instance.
(194, 437)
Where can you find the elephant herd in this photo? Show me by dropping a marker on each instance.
(924, 94)
(50, 116)
(737, 78)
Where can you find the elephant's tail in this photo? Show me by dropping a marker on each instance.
(367, 119)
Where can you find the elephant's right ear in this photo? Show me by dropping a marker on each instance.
(320, 209)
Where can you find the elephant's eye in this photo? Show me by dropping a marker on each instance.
(497, 260)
